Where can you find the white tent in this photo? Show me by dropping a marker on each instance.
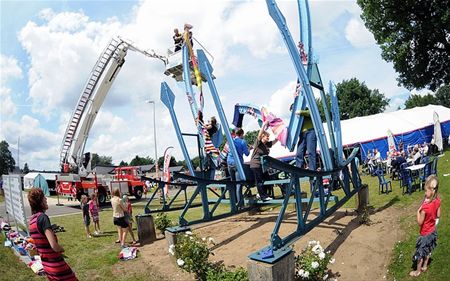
(28, 179)
(373, 127)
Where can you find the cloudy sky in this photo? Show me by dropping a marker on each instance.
(48, 49)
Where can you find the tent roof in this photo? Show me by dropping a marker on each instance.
(46, 176)
(372, 127)
(31, 175)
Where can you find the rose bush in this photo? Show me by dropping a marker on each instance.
(192, 253)
(312, 263)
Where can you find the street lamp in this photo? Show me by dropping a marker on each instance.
(154, 135)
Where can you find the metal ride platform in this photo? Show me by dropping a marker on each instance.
(165, 203)
(340, 172)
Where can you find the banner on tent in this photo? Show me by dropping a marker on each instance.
(14, 200)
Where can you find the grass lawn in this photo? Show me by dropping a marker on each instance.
(97, 258)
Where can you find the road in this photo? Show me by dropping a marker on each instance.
(69, 207)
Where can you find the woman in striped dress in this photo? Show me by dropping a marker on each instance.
(45, 239)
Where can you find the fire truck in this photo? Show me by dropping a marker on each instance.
(77, 177)
(128, 181)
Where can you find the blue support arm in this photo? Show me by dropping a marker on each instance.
(336, 122)
(206, 69)
(168, 99)
(279, 19)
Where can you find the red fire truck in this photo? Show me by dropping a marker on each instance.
(128, 181)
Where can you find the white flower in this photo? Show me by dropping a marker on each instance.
(321, 255)
(312, 243)
(301, 272)
(325, 277)
(180, 262)
(204, 239)
(332, 260)
(211, 240)
(172, 249)
(314, 264)
(317, 249)
(188, 232)
(191, 238)
(306, 274)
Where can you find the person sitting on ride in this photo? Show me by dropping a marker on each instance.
(211, 126)
(177, 39)
(262, 148)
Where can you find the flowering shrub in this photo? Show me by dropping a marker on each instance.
(312, 263)
(192, 253)
(162, 222)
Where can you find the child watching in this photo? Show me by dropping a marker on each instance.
(427, 217)
(93, 210)
(86, 218)
(129, 217)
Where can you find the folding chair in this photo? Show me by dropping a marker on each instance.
(406, 180)
(382, 182)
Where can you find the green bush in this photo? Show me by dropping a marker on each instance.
(192, 255)
(312, 263)
(222, 274)
(162, 222)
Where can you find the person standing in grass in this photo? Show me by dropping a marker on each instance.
(45, 239)
(427, 217)
(86, 218)
(119, 217)
(129, 216)
(93, 210)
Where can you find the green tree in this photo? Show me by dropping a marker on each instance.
(413, 35)
(7, 162)
(250, 137)
(26, 170)
(443, 95)
(418, 100)
(356, 99)
(100, 160)
(196, 162)
(123, 164)
(139, 161)
(173, 162)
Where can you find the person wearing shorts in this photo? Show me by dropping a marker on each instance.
(119, 217)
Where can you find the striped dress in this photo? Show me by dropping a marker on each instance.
(54, 265)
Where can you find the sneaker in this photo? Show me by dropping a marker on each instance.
(89, 236)
(267, 199)
(95, 233)
(258, 197)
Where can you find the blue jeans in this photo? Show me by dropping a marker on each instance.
(307, 141)
(235, 177)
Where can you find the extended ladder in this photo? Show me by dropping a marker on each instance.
(89, 88)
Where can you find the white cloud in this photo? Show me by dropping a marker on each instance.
(7, 106)
(357, 34)
(38, 147)
(9, 68)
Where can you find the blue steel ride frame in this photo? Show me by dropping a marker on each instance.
(279, 19)
(168, 99)
(280, 247)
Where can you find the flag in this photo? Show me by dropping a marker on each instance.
(166, 171)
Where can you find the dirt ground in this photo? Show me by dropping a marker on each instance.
(362, 252)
